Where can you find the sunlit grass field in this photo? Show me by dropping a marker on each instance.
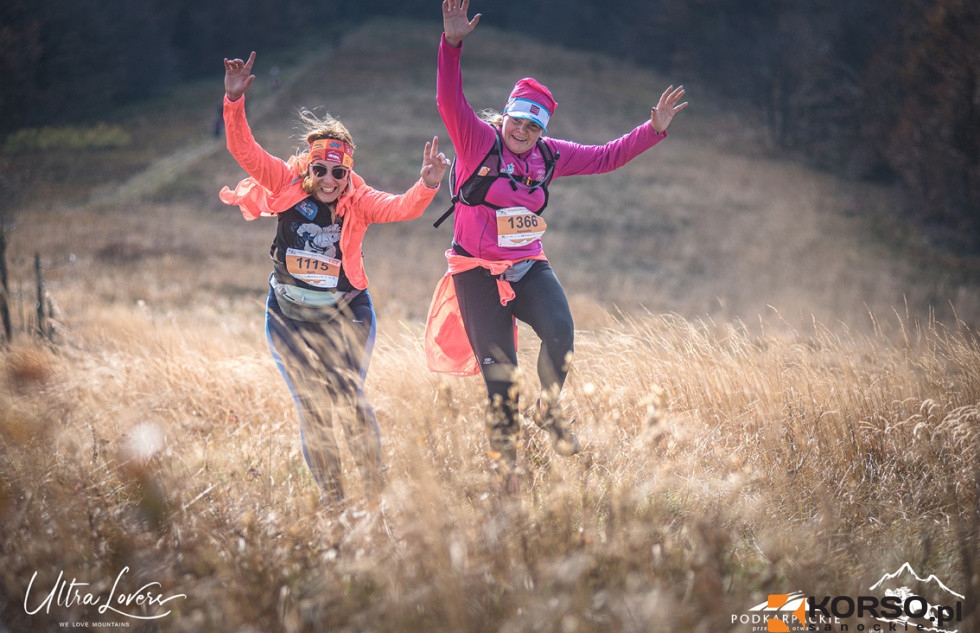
(777, 387)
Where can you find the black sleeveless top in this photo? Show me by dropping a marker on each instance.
(306, 250)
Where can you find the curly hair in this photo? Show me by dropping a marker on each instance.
(313, 127)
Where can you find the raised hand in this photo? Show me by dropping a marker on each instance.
(667, 107)
(238, 76)
(434, 164)
(454, 21)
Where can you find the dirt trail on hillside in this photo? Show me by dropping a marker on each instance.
(168, 168)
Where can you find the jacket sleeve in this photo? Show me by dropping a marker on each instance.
(382, 207)
(269, 171)
(472, 137)
(580, 160)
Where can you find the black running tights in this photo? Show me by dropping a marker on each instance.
(541, 303)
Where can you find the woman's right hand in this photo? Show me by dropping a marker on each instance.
(434, 164)
(454, 21)
(238, 77)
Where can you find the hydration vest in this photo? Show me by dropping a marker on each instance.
(473, 191)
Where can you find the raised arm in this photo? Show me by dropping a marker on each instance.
(269, 171)
(471, 137)
(580, 160)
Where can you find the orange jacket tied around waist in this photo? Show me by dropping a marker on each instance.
(447, 348)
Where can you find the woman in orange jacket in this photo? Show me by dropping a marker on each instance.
(320, 321)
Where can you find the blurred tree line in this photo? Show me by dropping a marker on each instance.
(887, 90)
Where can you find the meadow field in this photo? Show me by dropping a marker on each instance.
(776, 382)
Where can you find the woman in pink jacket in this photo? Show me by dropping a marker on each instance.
(320, 321)
(497, 269)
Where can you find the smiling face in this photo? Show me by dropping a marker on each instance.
(520, 135)
(329, 180)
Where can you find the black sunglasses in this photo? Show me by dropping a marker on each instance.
(338, 172)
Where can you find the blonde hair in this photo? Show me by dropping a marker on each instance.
(492, 117)
(313, 127)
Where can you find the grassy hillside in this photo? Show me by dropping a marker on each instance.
(710, 223)
(777, 389)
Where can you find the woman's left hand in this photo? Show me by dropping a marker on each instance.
(238, 76)
(667, 107)
(434, 164)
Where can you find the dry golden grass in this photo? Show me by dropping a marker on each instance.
(730, 449)
(717, 466)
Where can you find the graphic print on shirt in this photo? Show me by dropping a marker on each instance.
(317, 263)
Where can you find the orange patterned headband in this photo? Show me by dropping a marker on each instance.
(333, 151)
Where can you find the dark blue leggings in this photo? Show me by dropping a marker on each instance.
(324, 364)
(541, 303)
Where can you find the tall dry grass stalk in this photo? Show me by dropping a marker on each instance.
(720, 463)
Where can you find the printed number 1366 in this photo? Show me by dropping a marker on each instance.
(523, 222)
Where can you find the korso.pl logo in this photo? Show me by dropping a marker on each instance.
(899, 601)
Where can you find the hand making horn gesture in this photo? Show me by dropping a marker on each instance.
(238, 76)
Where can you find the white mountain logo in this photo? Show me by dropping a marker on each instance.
(906, 583)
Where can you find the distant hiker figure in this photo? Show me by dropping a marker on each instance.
(218, 123)
(320, 320)
(498, 272)
(275, 83)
